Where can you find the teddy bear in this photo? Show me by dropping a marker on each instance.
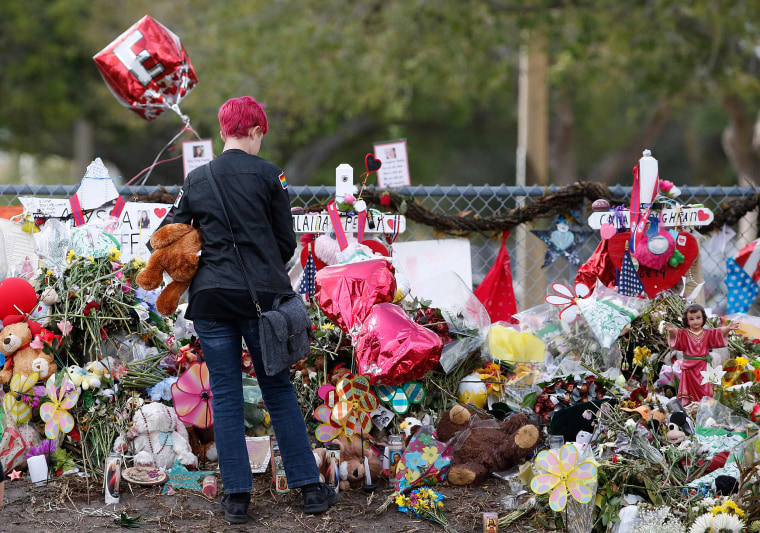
(177, 248)
(20, 357)
(160, 438)
(484, 445)
(351, 468)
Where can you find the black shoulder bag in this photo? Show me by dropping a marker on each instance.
(284, 332)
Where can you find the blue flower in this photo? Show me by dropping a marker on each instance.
(162, 390)
(414, 461)
(147, 298)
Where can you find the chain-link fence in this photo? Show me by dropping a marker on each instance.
(526, 250)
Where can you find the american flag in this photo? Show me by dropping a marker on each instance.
(307, 288)
(629, 282)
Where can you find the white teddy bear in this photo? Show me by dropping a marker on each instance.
(161, 438)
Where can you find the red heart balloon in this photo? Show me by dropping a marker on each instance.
(392, 349)
(656, 281)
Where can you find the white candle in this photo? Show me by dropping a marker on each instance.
(367, 475)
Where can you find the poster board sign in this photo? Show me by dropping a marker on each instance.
(196, 154)
(670, 218)
(321, 223)
(421, 260)
(136, 224)
(394, 171)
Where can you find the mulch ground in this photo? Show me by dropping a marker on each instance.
(70, 504)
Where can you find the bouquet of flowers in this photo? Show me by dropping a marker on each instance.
(425, 503)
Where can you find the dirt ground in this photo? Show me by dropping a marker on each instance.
(65, 504)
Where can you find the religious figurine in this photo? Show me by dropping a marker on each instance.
(696, 342)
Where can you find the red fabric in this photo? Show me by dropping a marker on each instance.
(718, 461)
(690, 387)
(599, 265)
(496, 292)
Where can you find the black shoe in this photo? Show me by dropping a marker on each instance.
(318, 497)
(235, 507)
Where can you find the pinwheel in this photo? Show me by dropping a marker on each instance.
(402, 397)
(567, 299)
(55, 413)
(355, 403)
(329, 429)
(192, 396)
(562, 473)
(13, 402)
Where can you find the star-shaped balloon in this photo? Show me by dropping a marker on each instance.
(182, 478)
(563, 241)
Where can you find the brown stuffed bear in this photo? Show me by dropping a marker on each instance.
(19, 356)
(486, 445)
(177, 247)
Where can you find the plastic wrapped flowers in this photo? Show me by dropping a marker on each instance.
(425, 503)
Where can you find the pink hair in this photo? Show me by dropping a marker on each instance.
(238, 115)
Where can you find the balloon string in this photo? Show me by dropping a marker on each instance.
(186, 128)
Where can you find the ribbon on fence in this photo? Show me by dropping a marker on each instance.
(340, 234)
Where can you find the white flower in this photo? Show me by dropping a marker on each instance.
(727, 522)
(703, 524)
(662, 327)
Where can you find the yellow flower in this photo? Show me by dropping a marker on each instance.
(138, 263)
(641, 355)
(71, 255)
(49, 272)
(324, 327)
(400, 500)
(91, 258)
(412, 476)
(718, 509)
(114, 254)
(742, 361)
(429, 454)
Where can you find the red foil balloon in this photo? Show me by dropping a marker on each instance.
(392, 349)
(346, 293)
(147, 69)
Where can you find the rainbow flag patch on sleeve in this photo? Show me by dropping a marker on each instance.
(283, 181)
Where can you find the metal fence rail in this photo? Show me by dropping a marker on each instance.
(526, 250)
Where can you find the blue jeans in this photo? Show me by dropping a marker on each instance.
(222, 349)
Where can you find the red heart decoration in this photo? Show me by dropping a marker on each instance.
(390, 223)
(160, 211)
(371, 163)
(656, 281)
(702, 216)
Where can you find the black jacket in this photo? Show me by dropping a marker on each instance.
(258, 205)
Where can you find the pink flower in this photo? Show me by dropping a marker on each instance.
(65, 327)
(119, 275)
(349, 198)
(125, 287)
(665, 185)
(37, 343)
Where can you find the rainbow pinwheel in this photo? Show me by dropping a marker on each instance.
(355, 403)
(402, 397)
(328, 429)
(192, 396)
(13, 402)
(562, 474)
(55, 413)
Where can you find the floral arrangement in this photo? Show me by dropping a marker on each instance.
(425, 503)
(46, 448)
(726, 517)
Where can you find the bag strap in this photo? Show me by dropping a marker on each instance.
(251, 290)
